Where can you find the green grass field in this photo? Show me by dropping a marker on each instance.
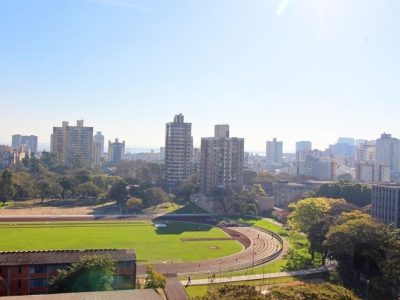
(151, 244)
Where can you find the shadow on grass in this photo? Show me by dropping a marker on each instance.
(173, 227)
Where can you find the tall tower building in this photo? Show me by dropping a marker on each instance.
(178, 150)
(221, 161)
(30, 141)
(73, 144)
(386, 204)
(274, 152)
(302, 148)
(116, 152)
(388, 151)
(98, 149)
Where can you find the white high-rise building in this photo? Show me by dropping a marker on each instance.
(222, 160)
(98, 149)
(274, 152)
(388, 151)
(178, 150)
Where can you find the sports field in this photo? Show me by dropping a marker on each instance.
(170, 242)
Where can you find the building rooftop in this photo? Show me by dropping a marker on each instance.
(147, 294)
(61, 256)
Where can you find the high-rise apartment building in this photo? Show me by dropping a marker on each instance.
(369, 171)
(222, 160)
(320, 168)
(386, 204)
(388, 151)
(98, 149)
(178, 150)
(73, 144)
(302, 148)
(274, 152)
(30, 141)
(221, 131)
(116, 152)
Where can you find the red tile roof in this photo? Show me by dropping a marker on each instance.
(61, 256)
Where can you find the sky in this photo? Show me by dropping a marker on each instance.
(291, 69)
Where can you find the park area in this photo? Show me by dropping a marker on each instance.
(167, 241)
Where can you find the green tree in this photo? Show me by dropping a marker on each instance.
(118, 190)
(88, 189)
(358, 194)
(91, 273)
(238, 292)
(66, 184)
(7, 189)
(358, 245)
(154, 279)
(154, 196)
(134, 204)
(47, 187)
(307, 211)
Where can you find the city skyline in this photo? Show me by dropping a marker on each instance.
(296, 70)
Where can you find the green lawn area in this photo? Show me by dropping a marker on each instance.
(151, 244)
(162, 208)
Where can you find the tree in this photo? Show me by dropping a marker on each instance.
(323, 291)
(134, 204)
(66, 184)
(88, 189)
(358, 245)
(154, 279)
(3, 284)
(308, 211)
(91, 273)
(118, 190)
(154, 196)
(355, 193)
(47, 187)
(238, 292)
(7, 189)
(249, 177)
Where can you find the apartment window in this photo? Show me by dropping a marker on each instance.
(19, 269)
(38, 283)
(37, 269)
(19, 283)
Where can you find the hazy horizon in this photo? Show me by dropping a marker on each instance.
(295, 70)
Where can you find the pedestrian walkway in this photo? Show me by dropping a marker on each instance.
(174, 290)
(257, 276)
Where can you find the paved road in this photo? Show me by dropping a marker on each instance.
(258, 276)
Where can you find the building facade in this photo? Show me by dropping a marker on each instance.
(386, 204)
(73, 144)
(221, 161)
(372, 172)
(302, 148)
(29, 272)
(30, 141)
(116, 152)
(388, 151)
(178, 150)
(98, 150)
(274, 152)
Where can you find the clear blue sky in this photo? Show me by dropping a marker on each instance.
(291, 69)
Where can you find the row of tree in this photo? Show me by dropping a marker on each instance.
(367, 251)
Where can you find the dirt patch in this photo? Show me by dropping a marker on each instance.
(58, 207)
(214, 248)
